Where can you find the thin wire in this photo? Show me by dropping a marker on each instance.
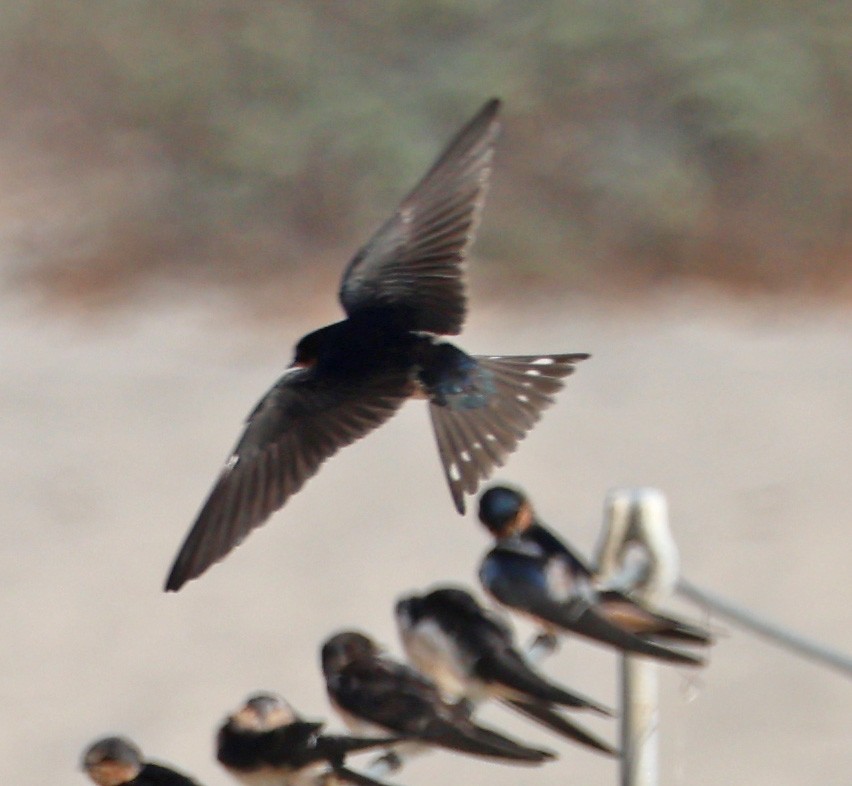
(797, 643)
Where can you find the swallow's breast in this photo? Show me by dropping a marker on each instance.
(435, 654)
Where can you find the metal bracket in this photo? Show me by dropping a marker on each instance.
(637, 553)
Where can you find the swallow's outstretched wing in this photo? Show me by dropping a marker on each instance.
(413, 263)
(303, 420)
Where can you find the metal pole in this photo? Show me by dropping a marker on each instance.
(637, 553)
(639, 721)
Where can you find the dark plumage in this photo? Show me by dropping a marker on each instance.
(116, 761)
(372, 691)
(470, 654)
(266, 742)
(401, 291)
(530, 570)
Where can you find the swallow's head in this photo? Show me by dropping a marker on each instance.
(409, 611)
(311, 347)
(112, 761)
(346, 648)
(505, 511)
(263, 712)
(446, 605)
(307, 350)
(454, 599)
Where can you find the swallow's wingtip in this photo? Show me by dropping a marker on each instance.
(683, 658)
(176, 579)
(493, 105)
(189, 564)
(172, 584)
(602, 709)
(458, 501)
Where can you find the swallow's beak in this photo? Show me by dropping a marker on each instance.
(301, 363)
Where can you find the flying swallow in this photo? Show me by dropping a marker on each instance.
(115, 761)
(531, 571)
(400, 292)
(265, 743)
(373, 692)
(470, 653)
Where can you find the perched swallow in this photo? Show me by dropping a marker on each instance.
(400, 292)
(115, 761)
(372, 692)
(531, 571)
(470, 653)
(265, 743)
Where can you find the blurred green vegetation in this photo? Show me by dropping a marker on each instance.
(238, 141)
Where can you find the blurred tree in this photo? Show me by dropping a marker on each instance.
(234, 141)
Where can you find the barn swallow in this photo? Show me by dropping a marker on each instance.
(531, 571)
(470, 653)
(400, 293)
(115, 761)
(373, 692)
(265, 743)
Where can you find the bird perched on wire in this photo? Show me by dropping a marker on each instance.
(531, 571)
(116, 761)
(266, 742)
(470, 653)
(374, 693)
(400, 292)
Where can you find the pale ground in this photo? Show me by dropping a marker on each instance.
(115, 428)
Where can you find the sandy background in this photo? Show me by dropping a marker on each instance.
(114, 427)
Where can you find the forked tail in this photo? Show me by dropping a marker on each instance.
(473, 441)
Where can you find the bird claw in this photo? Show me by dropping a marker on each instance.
(543, 645)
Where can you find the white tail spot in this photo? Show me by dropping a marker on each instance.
(232, 462)
(523, 398)
(532, 372)
(453, 472)
(490, 437)
(543, 362)
(465, 456)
